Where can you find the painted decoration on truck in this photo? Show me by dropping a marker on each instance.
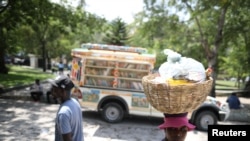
(76, 69)
(91, 95)
(139, 100)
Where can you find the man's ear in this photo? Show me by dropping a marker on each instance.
(63, 92)
(60, 90)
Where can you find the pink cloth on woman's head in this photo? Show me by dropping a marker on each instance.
(176, 122)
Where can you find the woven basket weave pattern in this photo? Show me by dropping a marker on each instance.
(175, 99)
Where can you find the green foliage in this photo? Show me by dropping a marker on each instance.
(117, 33)
(52, 30)
(214, 33)
(13, 13)
(89, 28)
(47, 29)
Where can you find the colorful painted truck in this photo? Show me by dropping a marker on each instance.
(109, 79)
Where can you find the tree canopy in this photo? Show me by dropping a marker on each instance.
(213, 32)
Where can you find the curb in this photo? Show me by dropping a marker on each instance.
(15, 88)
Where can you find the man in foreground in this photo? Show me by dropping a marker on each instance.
(69, 126)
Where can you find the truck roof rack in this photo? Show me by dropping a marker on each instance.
(90, 46)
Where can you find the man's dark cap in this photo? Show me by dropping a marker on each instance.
(63, 82)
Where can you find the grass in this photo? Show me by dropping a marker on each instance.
(221, 84)
(20, 75)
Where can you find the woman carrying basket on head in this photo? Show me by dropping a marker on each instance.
(180, 82)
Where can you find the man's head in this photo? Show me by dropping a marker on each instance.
(37, 81)
(61, 87)
(234, 94)
(176, 126)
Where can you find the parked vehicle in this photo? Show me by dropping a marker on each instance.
(209, 113)
(109, 80)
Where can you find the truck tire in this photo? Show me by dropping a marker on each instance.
(112, 113)
(205, 118)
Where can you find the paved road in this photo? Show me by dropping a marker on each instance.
(25, 120)
(31, 121)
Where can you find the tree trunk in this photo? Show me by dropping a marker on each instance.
(211, 51)
(3, 68)
(213, 64)
(3, 46)
(213, 60)
(44, 55)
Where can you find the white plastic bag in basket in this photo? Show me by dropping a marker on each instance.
(181, 67)
(195, 70)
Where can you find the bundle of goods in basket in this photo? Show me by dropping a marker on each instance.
(181, 85)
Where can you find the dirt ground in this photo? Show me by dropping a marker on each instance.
(24, 120)
(32, 121)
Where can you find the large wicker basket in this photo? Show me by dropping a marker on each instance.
(175, 99)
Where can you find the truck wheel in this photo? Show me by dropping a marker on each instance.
(112, 113)
(205, 118)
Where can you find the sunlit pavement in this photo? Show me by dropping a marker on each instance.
(25, 120)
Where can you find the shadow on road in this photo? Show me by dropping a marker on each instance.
(130, 129)
(132, 119)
